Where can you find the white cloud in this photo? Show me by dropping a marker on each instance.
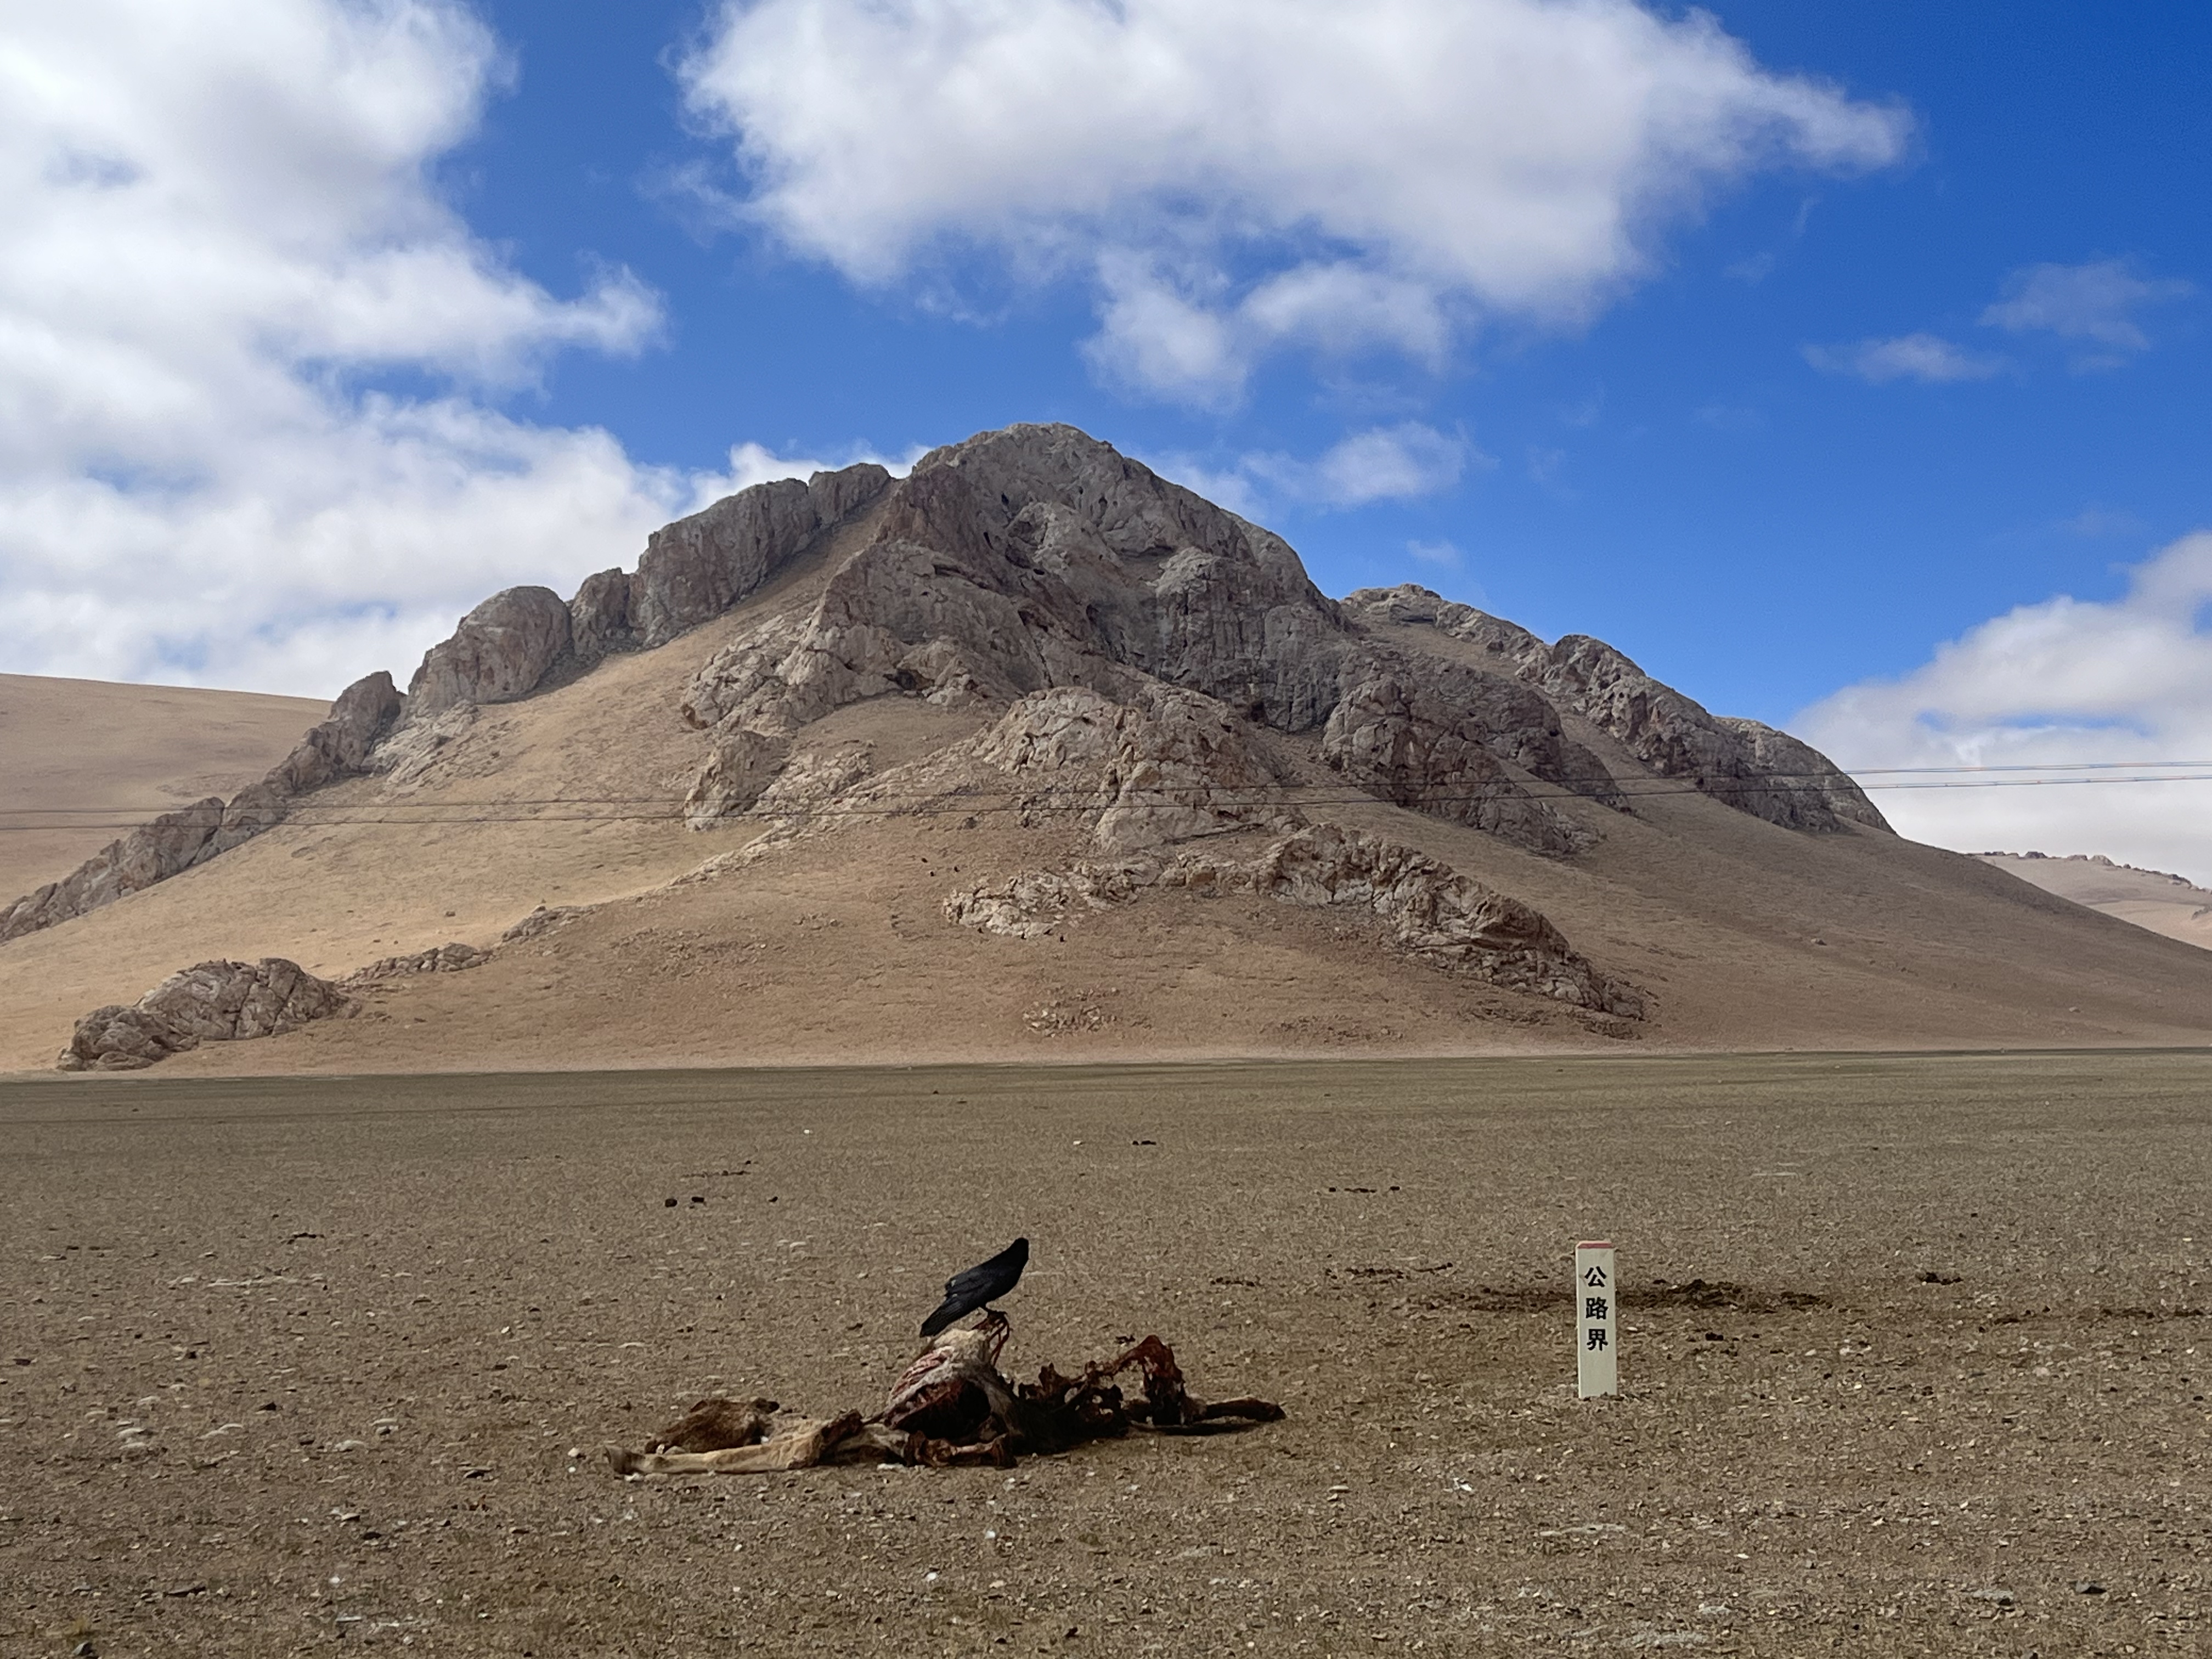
(1445, 555)
(1925, 357)
(2064, 681)
(1239, 175)
(220, 230)
(1386, 463)
(2096, 302)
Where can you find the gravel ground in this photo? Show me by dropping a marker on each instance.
(1915, 1358)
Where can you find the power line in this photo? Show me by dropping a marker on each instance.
(667, 809)
(1603, 783)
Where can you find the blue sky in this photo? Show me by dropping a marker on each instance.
(1879, 407)
(1677, 478)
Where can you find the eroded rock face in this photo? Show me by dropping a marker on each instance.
(1751, 766)
(598, 616)
(697, 568)
(170, 844)
(439, 959)
(1464, 745)
(1036, 557)
(1172, 766)
(1676, 738)
(1033, 903)
(741, 768)
(1514, 648)
(1181, 769)
(500, 652)
(210, 1002)
(339, 747)
(1815, 782)
(545, 919)
(411, 751)
(1433, 912)
(1050, 731)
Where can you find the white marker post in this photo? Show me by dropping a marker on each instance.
(1597, 1342)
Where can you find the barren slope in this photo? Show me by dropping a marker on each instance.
(2150, 898)
(1099, 775)
(118, 755)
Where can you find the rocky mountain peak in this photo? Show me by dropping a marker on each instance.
(1167, 663)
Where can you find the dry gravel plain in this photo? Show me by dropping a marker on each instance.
(1916, 1358)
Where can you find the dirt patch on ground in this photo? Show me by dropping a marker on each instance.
(1917, 1362)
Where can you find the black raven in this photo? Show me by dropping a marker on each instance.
(981, 1285)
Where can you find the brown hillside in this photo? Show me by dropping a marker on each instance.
(1034, 755)
(120, 754)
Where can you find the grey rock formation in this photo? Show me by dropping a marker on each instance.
(545, 919)
(502, 650)
(1513, 648)
(1173, 766)
(439, 959)
(1053, 730)
(1037, 559)
(1676, 738)
(697, 568)
(598, 616)
(211, 1002)
(339, 747)
(1817, 783)
(1432, 912)
(743, 765)
(413, 750)
(1031, 904)
(1463, 745)
(1034, 558)
(1180, 770)
(175, 842)
(170, 844)
(1751, 766)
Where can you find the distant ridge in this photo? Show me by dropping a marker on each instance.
(2158, 899)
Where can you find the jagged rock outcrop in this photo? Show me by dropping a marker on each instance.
(339, 747)
(1515, 647)
(812, 780)
(501, 651)
(1182, 770)
(414, 748)
(1751, 766)
(697, 568)
(210, 1002)
(1034, 558)
(1169, 648)
(173, 842)
(1031, 904)
(545, 919)
(1817, 783)
(1433, 912)
(1172, 766)
(1676, 738)
(1464, 745)
(738, 771)
(1053, 730)
(452, 958)
(598, 616)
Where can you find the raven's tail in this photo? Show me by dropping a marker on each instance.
(938, 1321)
